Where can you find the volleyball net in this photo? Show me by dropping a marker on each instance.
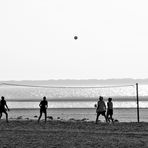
(123, 96)
(77, 93)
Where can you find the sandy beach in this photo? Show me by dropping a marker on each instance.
(72, 134)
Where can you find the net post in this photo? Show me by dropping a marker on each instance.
(137, 103)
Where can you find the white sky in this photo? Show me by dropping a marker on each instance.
(36, 39)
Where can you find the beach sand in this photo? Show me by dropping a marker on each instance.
(72, 134)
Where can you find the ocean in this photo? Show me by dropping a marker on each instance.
(77, 103)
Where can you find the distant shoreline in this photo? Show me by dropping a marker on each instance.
(80, 82)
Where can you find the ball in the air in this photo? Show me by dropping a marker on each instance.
(75, 37)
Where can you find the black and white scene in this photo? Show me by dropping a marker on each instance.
(73, 74)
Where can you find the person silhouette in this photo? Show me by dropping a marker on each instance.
(109, 110)
(43, 108)
(3, 108)
(100, 109)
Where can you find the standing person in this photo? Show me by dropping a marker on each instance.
(109, 109)
(3, 108)
(101, 109)
(43, 108)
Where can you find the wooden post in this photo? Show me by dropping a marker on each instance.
(137, 103)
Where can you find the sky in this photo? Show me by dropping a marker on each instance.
(37, 39)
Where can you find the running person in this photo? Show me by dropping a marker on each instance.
(3, 108)
(43, 108)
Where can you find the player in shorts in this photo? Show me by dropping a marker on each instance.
(109, 110)
(43, 108)
(101, 109)
(3, 108)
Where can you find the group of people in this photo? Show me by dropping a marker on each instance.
(101, 109)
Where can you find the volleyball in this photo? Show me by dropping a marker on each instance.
(75, 37)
